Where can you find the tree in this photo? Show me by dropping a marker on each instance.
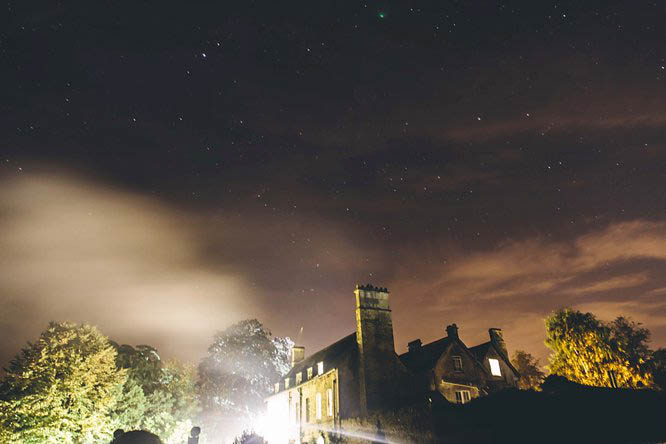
(61, 388)
(242, 364)
(173, 404)
(588, 351)
(527, 365)
(158, 396)
(249, 438)
(143, 364)
(659, 367)
(630, 339)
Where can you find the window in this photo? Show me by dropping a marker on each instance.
(494, 367)
(277, 387)
(309, 372)
(457, 363)
(463, 396)
(299, 377)
(320, 368)
(318, 397)
(286, 383)
(307, 409)
(329, 402)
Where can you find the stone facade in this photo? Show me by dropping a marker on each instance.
(326, 397)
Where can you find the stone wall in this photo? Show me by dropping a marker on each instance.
(405, 425)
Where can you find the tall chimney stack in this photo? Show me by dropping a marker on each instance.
(414, 346)
(452, 331)
(497, 338)
(374, 335)
(297, 355)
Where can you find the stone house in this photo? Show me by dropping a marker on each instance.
(361, 374)
(448, 368)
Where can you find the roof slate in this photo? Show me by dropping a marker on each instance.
(426, 356)
(332, 356)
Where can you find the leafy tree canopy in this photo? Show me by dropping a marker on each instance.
(527, 365)
(659, 366)
(242, 364)
(591, 352)
(157, 396)
(61, 388)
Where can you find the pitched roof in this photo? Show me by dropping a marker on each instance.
(480, 352)
(426, 356)
(332, 356)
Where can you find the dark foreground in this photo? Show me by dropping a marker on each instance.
(563, 412)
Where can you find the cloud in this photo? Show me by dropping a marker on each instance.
(148, 272)
(611, 271)
(72, 249)
(614, 283)
(556, 122)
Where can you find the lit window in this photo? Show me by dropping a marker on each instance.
(286, 383)
(277, 387)
(309, 372)
(318, 397)
(320, 368)
(494, 367)
(463, 396)
(329, 405)
(457, 363)
(299, 377)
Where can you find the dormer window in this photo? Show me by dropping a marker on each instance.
(299, 377)
(494, 367)
(457, 363)
(277, 387)
(309, 372)
(286, 383)
(320, 368)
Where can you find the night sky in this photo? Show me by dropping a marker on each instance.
(168, 168)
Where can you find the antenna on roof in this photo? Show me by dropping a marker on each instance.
(299, 336)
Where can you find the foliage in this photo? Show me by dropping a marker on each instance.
(591, 352)
(143, 364)
(61, 388)
(248, 438)
(242, 364)
(160, 397)
(659, 368)
(74, 385)
(527, 365)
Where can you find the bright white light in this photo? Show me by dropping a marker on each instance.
(495, 367)
(274, 425)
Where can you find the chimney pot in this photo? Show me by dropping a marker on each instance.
(497, 338)
(297, 355)
(415, 345)
(452, 331)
